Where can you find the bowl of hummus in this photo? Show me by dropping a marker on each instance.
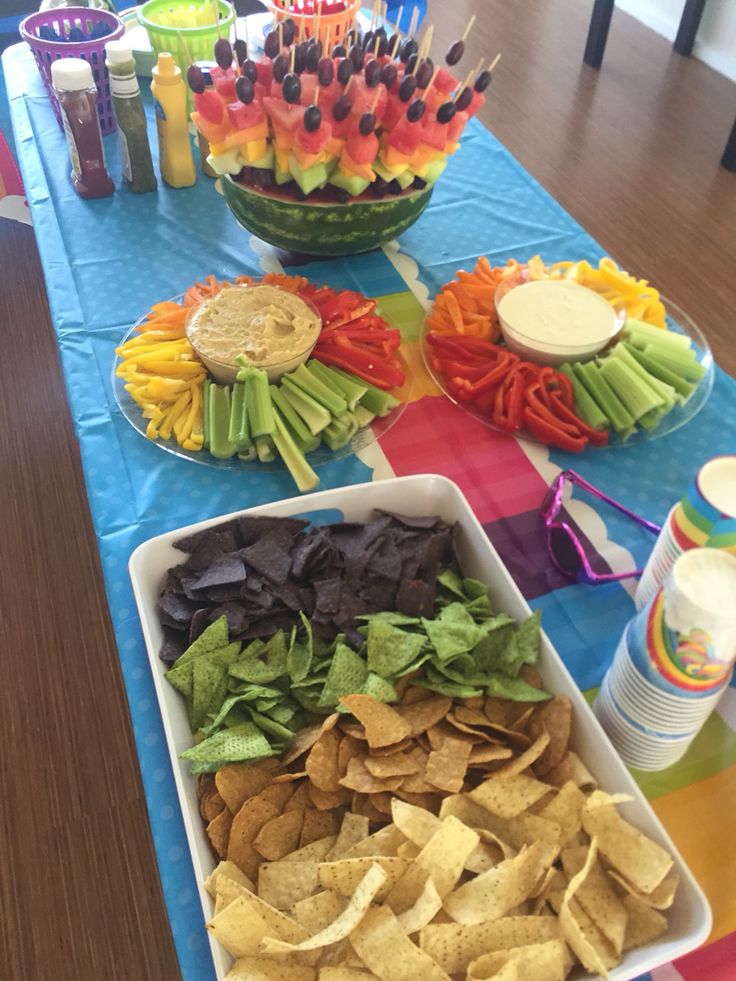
(274, 329)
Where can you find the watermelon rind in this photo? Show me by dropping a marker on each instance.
(317, 228)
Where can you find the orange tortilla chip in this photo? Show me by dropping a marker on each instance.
(237, 782)
(324, 801)
(571, 767)
(218, 831)
(307, 737)
(525, 760)
(555, 718)
(422, 715)
(245, 827)
(487, 753)
(321, 764)
(211, 804)
(446, 766)
(383, 725)
(300, 799)
(395, 765)
(349, 747)
(319, 824)
(361, 779)
(280, 835)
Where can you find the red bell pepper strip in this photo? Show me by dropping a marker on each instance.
(548, 432)
(461, 369)
(463, 346)
(533, 401)
(597, 437)
(494, 375)
(566, 390)
(514, 403)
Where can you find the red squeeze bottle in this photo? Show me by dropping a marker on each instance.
(77, 95)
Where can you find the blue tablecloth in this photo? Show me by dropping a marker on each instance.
(106, 261)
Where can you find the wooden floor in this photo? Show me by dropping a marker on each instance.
(631, 151)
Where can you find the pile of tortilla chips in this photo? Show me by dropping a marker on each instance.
(517, 880)
(419, 751)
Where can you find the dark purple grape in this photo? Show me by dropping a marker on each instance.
(325, 71)
(380, 32)
(382, 48)
(241, 50)
(271, 46)
(195, 78)
(482, 81)
(419, 183)
(394, 187)
(388, 75)
(464, 99)
(341, 108)
(446, 111)
(424, 73)
(352, 37)
(379, 188)
(367, 40)
(291, 88)
(288, 31)
(415, 111)
(248, 70)
(344, 71)
(244, 89)
(357, 57)
(412, 64)
(455, 52)
(314, 54)
(300, 57)
(408, 48)
(372, 73)
(223, 53)
(407, 88)
(342, 195)
(367, 124)
(263, 177)
(280, 67)
(339, 51)
(247, 174)
(393, 45)
(312, 119)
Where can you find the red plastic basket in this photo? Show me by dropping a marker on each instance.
(63, 20)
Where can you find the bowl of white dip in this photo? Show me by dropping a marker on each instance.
(273, 328)
(551, 321)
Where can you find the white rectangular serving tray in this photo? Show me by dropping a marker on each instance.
(690, 917)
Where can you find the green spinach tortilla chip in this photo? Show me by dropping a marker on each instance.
(390, 649)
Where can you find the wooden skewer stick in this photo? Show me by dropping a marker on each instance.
(494, 62)
(317, 22)
(281, 35)
(347, 86)
(466, 83)
(469, 28)
(426, 43)
(291, 59)
(327, 40)
(477, 68)
(376, 46)
(413, 22)
(183, 43)
(431, 81)
(397, 21)
(301, 29)
(216, 12)
(373, 14)
(375, 99)
(395, 45)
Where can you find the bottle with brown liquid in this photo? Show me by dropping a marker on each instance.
(77, 95)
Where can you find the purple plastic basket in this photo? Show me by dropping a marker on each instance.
(63, 20)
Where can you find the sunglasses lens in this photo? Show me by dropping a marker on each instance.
(564, 551)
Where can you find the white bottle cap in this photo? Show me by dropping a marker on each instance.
(118, 52)
(71, 74)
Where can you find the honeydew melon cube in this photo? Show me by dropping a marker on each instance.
(226, 163)
(309, 179)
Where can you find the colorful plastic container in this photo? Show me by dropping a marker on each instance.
(303, 15)
(63, 20)
(187, 29)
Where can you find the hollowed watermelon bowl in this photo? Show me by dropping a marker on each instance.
(323, 228)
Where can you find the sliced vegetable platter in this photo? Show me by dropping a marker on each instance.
(654, 376)
(347, 396)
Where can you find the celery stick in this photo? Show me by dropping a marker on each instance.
(635, 394)
(665, 392)
(606, 398)
(651, 419)
(295, 425)
(314, 414)
(220, 445)
(363, 416)
(352, 390)
(585, 405)
(349, 421)
(257, 399)
(375, 399)
(264, 447)
(312, 386)
(648, 332)
(239, 433)
(336, 435)
(249, 454)
(206, 385)
(650, 364)
(304, 477)
(690, 370)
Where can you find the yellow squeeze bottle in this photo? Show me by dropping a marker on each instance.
(174, 146)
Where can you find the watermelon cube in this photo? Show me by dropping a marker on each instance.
(395, 109)
(264, 72)
(456, 126)
(224, 81)
(245, 117)
(209, 106)
(363, 97)
(362, 149)
(476, 103)
(445, 82)
(281, 114)
(315, 142)
(433, 133)
(405, 136)
(309, 89)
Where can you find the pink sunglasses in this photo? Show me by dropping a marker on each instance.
(563, 544)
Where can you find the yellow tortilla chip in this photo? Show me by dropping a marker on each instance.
(644, 923)
(538, 962)
(228, 890)
(354, 828)
(522, 830)
(316, 912)
(315, 851)
(267, 969)
(597, 897)
(230, 871)
(385, 841)
(566, 810)
(344, 875)
(454, 946)
(282, 884)
(239, 928)
(641, 861)
(660, 898)
(588, 953)
(415, 823)
(443, 858)
(343, 974)
(344, 924)
(509, 796)
(387, 951)
(383, 725)
(494, 893)
(424, 910)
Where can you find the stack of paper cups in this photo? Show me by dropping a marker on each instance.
(673, 662)
(704, 518)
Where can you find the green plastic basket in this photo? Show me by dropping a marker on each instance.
(186, 29)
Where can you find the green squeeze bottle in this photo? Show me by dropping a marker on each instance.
(135, 150)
